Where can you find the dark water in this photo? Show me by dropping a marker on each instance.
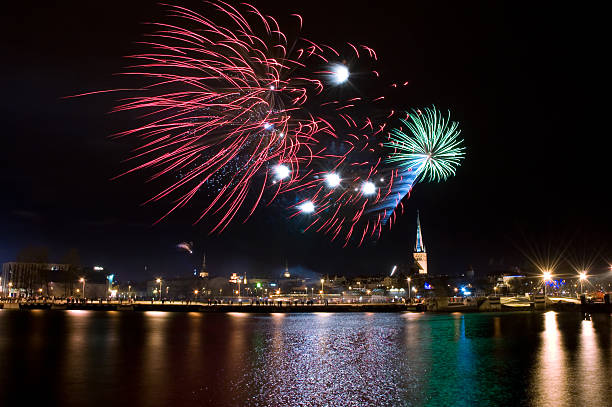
(79, 358)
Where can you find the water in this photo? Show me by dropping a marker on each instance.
(75, 358)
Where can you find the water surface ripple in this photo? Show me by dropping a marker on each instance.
(75, 358)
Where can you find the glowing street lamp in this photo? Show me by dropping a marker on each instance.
(583, 277)
(546, 276)
(322, 288)
(409, 292)
(159, 281)
(82, 281)
(195, 292)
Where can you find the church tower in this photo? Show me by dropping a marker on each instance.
(203, 271)
(420, 255)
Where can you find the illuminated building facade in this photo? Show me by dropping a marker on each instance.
(25, 279)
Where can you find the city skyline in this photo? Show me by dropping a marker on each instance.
(314, 203)
(515, 180)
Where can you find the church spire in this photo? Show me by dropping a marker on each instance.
(420, 255)
(419, 246)
(203, 271)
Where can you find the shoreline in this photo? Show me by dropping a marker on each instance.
(220, 308)
(269, 309)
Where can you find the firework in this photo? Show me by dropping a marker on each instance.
(431, 148)
(345, 183)
(227, 108)
(186, 246)
(235, 113)
(360, 192)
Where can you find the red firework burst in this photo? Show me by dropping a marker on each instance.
(222, 106)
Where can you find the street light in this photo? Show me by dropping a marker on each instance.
(409, 293)
(159, 281)
(196, 294)
(322, 288)
(82, 280)
(583, 277)
(546, 276)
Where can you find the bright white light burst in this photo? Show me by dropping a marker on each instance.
(281, 171)
(368, 188)
(307, 207)
(332, 179)
(341, 73)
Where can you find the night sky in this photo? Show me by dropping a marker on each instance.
(519, 78)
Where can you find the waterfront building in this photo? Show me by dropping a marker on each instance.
(389, 282)
(24, 279)
(177, 288)
(420, 254)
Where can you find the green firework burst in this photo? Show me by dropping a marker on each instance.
(431, 146)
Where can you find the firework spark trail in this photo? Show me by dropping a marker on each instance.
(231, 108)
(364, 199)
(225, 102)
(430, 152)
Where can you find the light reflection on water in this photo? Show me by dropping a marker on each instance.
(241, 359)
(592, 383)
(550, 368)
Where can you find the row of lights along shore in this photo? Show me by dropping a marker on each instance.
(547, 275)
